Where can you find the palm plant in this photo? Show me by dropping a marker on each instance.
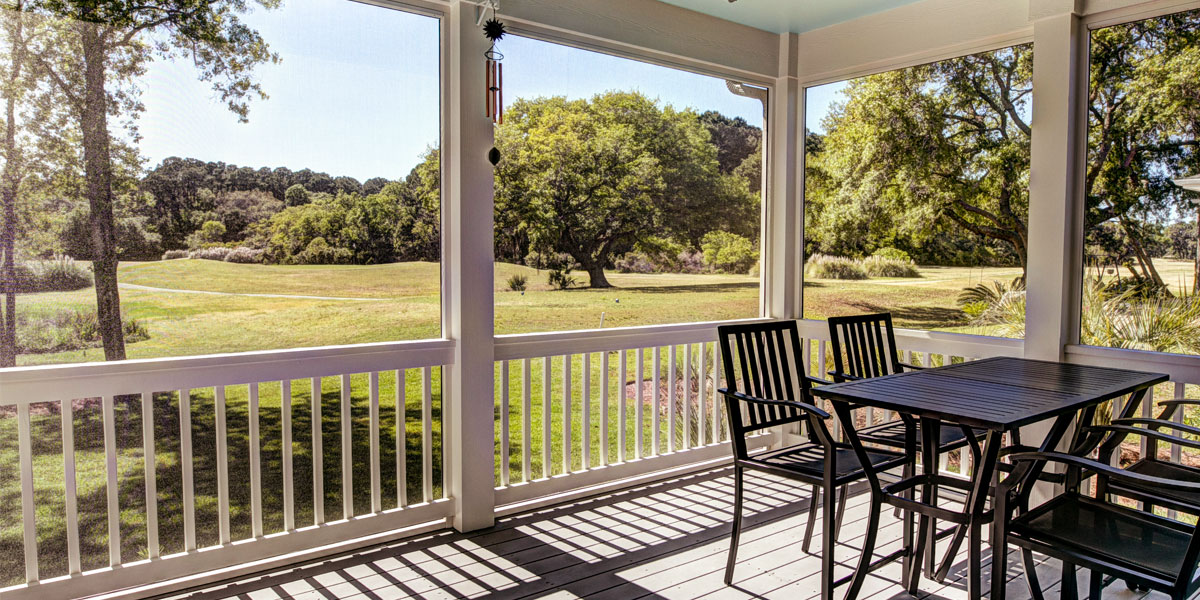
(1132, 320)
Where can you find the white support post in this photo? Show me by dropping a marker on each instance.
(468, 274)
(1055, 230)
(783, 209)
(1057, 146)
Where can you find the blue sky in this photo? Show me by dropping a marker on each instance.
(356, 92)
(817, 102)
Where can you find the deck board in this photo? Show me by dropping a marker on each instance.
(666, 540)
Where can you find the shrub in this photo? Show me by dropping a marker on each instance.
(892, 253)
(214, 253)
(823, 266)
(692, 261)
(174, 254)
(63, 330)
(517, 282)
(561, 279)
(319, 252)
(244, 255)
(879, 266)
(550, 260)
(635, 262)
(728, 252)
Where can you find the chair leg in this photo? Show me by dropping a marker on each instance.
(1031, 577)
(812, 518)
(827, 541)
(1070, 585)
(1095, 584)
(841, 511)
(737, 524)
(868, 550)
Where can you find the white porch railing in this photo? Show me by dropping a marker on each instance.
(74, 425)
(582, 409)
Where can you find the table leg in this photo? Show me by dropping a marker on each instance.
(910, 467)
(985, 473)
(931, 434)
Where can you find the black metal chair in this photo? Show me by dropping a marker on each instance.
(767, 387)
(1109, 539)
(1149, 465)
(864, 346)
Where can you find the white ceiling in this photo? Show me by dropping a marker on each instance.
(796, 16)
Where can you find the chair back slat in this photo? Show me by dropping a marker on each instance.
(863, 346)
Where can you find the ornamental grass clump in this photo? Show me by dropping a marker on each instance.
(245, 256)
(824, 266)
(882, 266)
(214, 253)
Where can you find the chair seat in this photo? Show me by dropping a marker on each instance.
(809, 460)
(893, 434)
(1116, 534)
(1165, 470)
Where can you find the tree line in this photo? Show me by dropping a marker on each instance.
(582, 184)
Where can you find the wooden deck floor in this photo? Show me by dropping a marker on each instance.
(664, 540)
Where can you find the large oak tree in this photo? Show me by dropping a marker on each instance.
(595, 178)
(917, 152)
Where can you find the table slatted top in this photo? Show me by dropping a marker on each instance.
(1000, 394)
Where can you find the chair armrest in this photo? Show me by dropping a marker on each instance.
(817, 380)
(1106, 470)
(912, 367)
(1159, 424)
(1149, 433)
(780, 403)
(836, 375)
(1015, 449)
(1175, 403)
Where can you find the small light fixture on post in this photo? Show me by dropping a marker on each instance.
(1192, 184)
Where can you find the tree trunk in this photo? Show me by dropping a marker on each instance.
(11, 181)
(98, 173)
(596, 276)
(1143, 258)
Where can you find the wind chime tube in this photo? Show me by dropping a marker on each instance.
(500, 93)
(487, 88)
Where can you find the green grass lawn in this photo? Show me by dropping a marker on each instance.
(370, 304)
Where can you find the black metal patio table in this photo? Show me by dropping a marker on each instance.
(999, 395)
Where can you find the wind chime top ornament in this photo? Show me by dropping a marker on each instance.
(494, 30)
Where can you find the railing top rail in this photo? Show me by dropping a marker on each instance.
(938, 342)
(22, 385)
(533, 345)
(1181, 367)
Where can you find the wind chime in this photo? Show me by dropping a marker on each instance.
(494, 30)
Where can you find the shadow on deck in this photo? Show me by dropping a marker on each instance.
(661, 540)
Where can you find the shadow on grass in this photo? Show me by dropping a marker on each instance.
(917, 317)
(92, 496)
(689, 288)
